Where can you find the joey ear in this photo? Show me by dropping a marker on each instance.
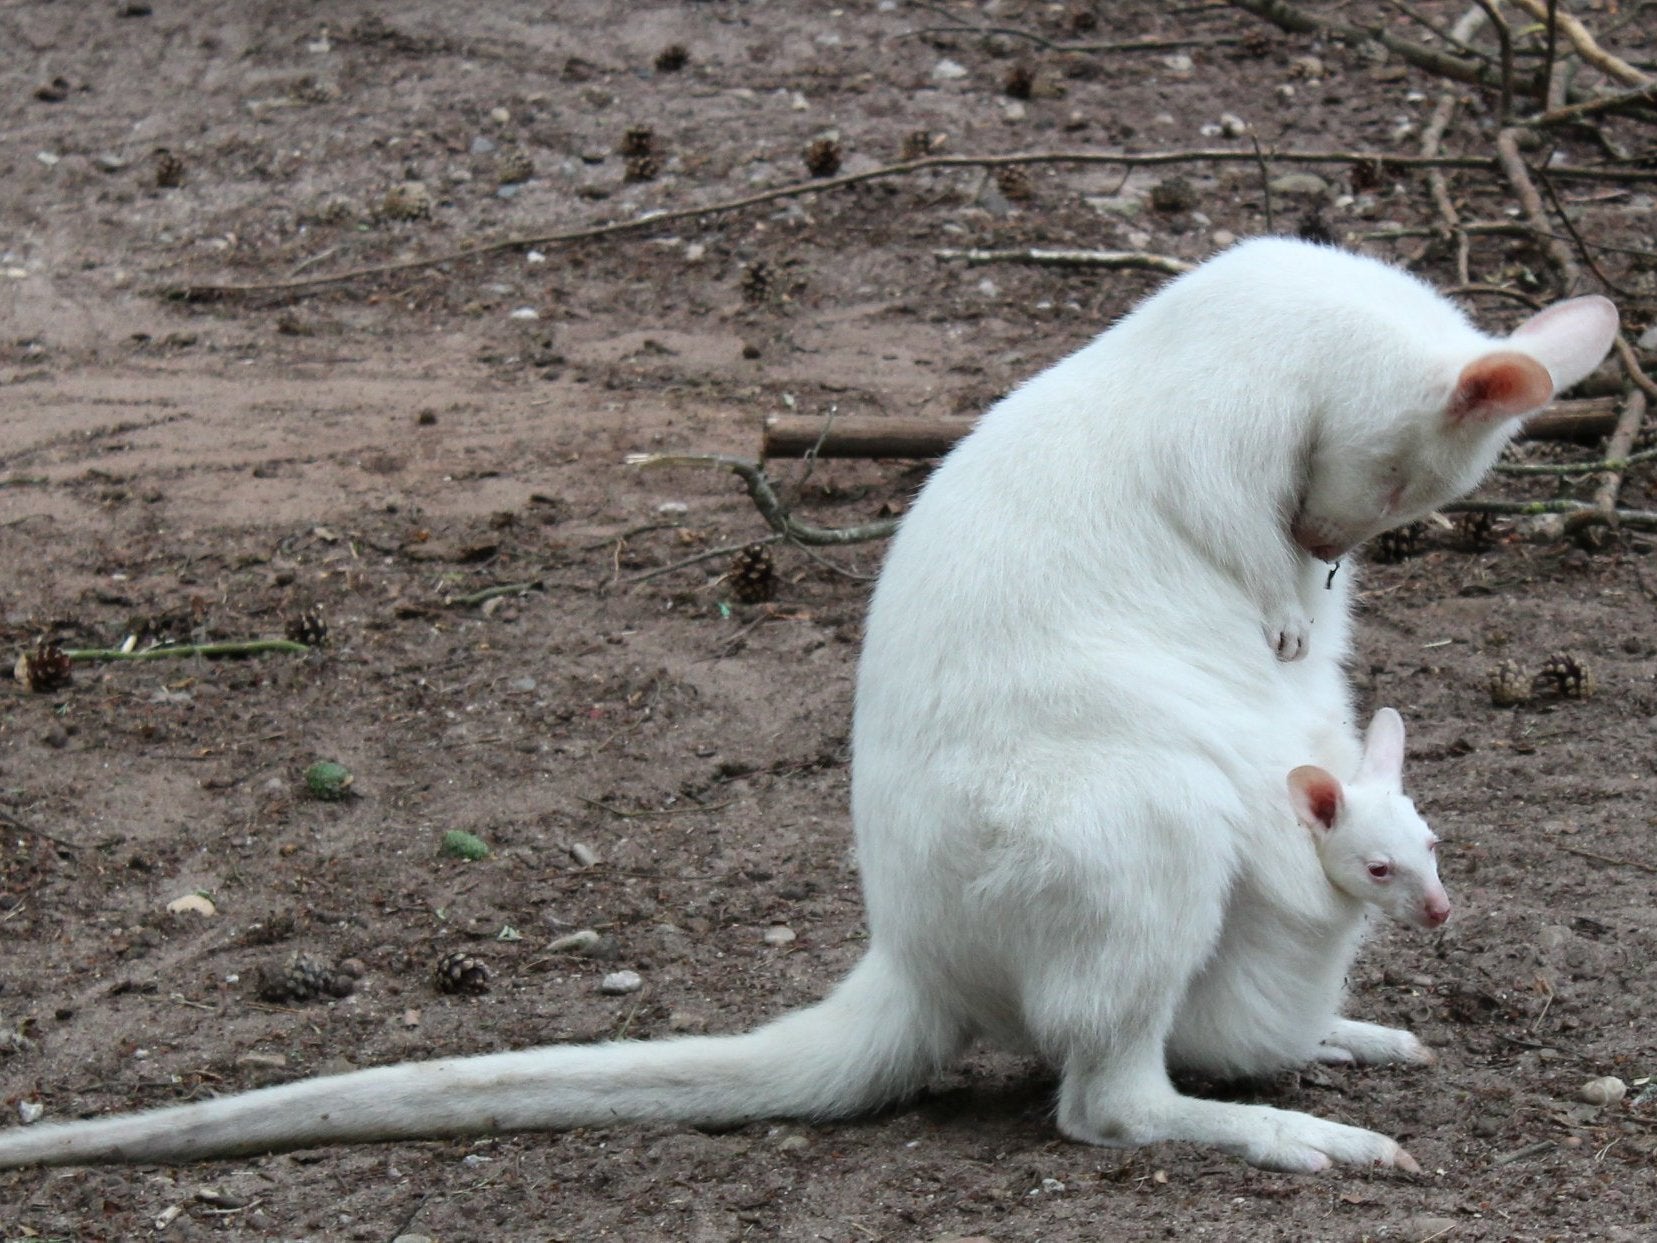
(1384, 748)
(1316, 797)
(1569, 338)
(1499, 386)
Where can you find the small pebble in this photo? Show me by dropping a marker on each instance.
(1607, 1090)
(30, 1111)
(779, 934)
(584, 855)
(193, 904)
(948, 71)
(618, 983)
(500, 116)
(525, 312)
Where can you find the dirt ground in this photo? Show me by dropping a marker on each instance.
(380, 448)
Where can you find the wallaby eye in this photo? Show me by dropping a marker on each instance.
(1380, 871)
(1432, 847)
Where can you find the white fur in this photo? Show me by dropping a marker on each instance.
(1069, 746)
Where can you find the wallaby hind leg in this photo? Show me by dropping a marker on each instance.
(1369, 1044)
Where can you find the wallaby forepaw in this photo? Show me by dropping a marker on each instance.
(1334, 1055)
(1289, 637)
(1373, 1045)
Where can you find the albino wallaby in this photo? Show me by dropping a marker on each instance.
(1374, 846)
(1376, 851)
(1069, 741)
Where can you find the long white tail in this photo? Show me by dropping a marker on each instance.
(873, 1040)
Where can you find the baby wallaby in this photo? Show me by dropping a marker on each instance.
(1373, 844)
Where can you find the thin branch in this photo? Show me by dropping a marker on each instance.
(1583, 41)
(1443, 64)
(1049, 45)
(173, 651)
(1598, 858)
(1635, 519)
(1570, 113)
(1439, 188)
(1119, 259)
(764, 495)
(11, 821)
(1617, 451)
(208, 291)
(1504, 38)
(1612, 461)
(1530, 203)
(490, 593)
(729, 550)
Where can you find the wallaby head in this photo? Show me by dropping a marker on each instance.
(1454, 398)
(1373, 844)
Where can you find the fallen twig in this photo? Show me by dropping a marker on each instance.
(622, 813)
(711, 554)
(1599, 858)
(206, 291)
(1618, 459)
(173, 651)
(12, 822)
(1584, 43)
(1592, 515)
(764, 495)
(490, 593)
(1139, 259)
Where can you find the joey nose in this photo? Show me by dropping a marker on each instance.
(1436, 911)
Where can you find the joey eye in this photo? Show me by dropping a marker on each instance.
(1380, 871)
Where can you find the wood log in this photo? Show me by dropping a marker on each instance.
(874, 436)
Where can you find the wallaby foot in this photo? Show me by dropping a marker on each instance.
(1103, 1109)
(1369, 1044)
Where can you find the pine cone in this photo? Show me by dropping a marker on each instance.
(758, 283)
(408, 201)
(1256, 42)
(917, 145)
(822, 157)
(302, 977)
(1014, 184)
(672, 58)
(638, 140)
(643, 167)
(169, 169)
(1367, 175)
(44, 669)
(1397, 544)
(1082, 19)
(1173, 194)
(460, 972)
(1476, 531)
(1563, 674)
(514, 166)
(752, 576)
(1019, 83)
(1508, 685)
(309, 628)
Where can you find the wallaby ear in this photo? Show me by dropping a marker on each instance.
(1384, 748)
(1569, 338)
(1499, 386)
(1316, 796)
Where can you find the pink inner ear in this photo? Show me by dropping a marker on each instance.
(1501, 385)
(1316, 796)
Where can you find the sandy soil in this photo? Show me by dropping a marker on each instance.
(379, 448)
